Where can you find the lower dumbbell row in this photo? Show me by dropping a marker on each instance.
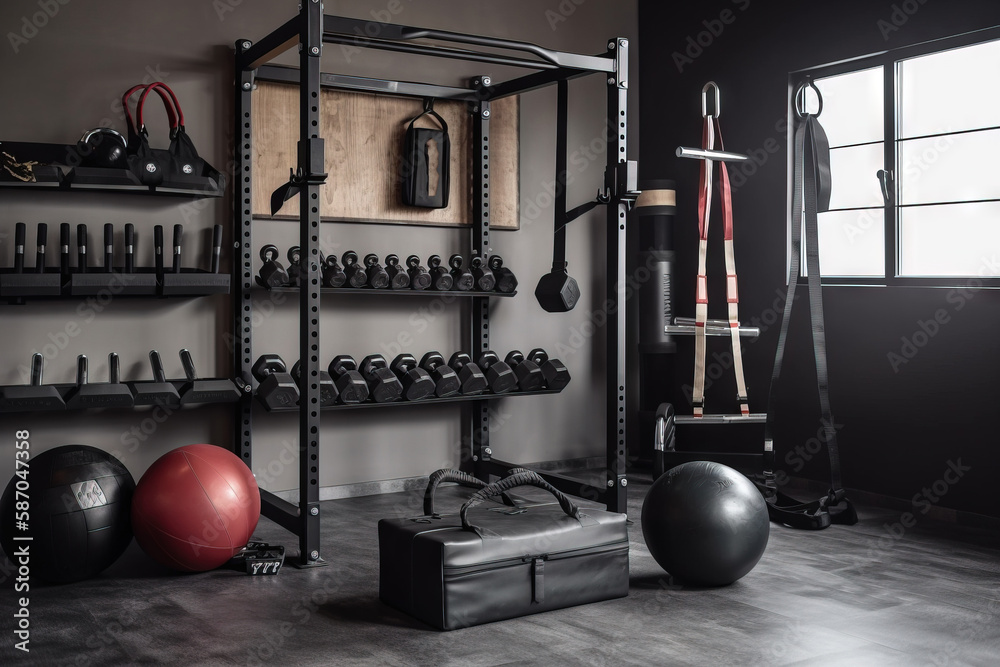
(376, 380)
(350, 272)
(37, 396)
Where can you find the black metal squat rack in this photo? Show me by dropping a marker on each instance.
(310, 29)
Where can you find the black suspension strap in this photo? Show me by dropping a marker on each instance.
(811, 194)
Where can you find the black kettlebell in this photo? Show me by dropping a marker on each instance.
(103, 147)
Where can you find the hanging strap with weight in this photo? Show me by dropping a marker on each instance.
(811, 194)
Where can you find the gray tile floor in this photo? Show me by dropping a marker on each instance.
(844, 596)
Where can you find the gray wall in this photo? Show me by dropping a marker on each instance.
(68, 76)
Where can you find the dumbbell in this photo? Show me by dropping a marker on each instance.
(419, 277)
(554, 371)
(377, 277)
(333, 273)
(356, 276)
(441, 279)
(506, 281)
(485, 281)
(461, 276)
(398, 277)
(499, 374)
(294, 256)
(277, 388)
(272, 273)
(383, 385)
(417, 382)
(469, 374)
(111, 394)
(529, 375)
(327, 389)
(446, 382)
(351, 387)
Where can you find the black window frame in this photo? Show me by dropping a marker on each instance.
(889, 61)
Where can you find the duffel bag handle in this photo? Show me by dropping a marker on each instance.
(459, 477)
(526, 478)
(176, 118)
(167, 103)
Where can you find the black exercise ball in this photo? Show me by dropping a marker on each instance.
(79, 504)
(705, 523)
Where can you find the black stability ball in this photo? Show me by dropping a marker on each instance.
(79, 502)
(705, 523)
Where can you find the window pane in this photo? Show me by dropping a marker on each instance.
(854, 174)
(852, 243)
(958, 167)
(950, 240)
(950, 91)
(852, 107)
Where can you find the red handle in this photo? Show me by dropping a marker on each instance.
(175, 120)
(167, 103)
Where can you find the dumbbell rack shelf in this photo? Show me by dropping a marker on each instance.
(427, 401)
(17, 288)
(370, 291)
(310, 29)
(65, 390)
(54, 178)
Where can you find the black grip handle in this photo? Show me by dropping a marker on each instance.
(216, 248)
(158, 248)
(64, 241)
(188, 363)
(525, 478)
(81, 370)
(36, 369)
(129, 248)
(109, 246)
(19, 234)
(81, 248)
(178, 240)
(459, 477)
(114, 369)
(157, 365)
(41, 241)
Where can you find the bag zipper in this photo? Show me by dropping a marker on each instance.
(461, 570)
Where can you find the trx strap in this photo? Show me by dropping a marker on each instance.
(811, 183)
(712, 132)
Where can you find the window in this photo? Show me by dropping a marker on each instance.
(916, 188)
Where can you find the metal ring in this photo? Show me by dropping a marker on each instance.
(800, 99)
(704, 101)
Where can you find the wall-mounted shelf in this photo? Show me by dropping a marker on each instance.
(427, 401)
(17, 288)
(226, 394)
(369, 291)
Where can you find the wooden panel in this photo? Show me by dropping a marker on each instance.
(364, 140)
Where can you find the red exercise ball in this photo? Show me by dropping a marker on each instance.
(195, 508)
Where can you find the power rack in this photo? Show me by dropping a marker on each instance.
(310, 30)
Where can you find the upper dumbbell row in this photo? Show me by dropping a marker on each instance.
(376, 380)
(350, 271)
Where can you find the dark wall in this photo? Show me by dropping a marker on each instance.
(900, 429)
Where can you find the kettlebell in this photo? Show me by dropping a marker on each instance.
(103, 147)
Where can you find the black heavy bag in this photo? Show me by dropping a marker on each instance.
(153, 166)
(419, 162)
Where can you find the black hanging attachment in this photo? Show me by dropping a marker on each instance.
(424, 174)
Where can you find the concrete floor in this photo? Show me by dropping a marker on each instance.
(844, 596)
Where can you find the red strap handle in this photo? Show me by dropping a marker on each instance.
(176, 121)
(171, 114)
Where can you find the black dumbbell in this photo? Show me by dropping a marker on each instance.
(383, 385)
(460, 275)
(499, 374)
(351, 387)
(529, 375)
(277, 388)
(419, 277)
(485, 281)
(446, 382)
(333, 273)
(272, 273)
(294, 257)
(34, 395)
(554, 371)
(356, 276)
(506, 281)
(327, 389)
(469, 374)
(377, 277)
(111, 394)
(417, 382)
(398, 277)
(441, 279)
